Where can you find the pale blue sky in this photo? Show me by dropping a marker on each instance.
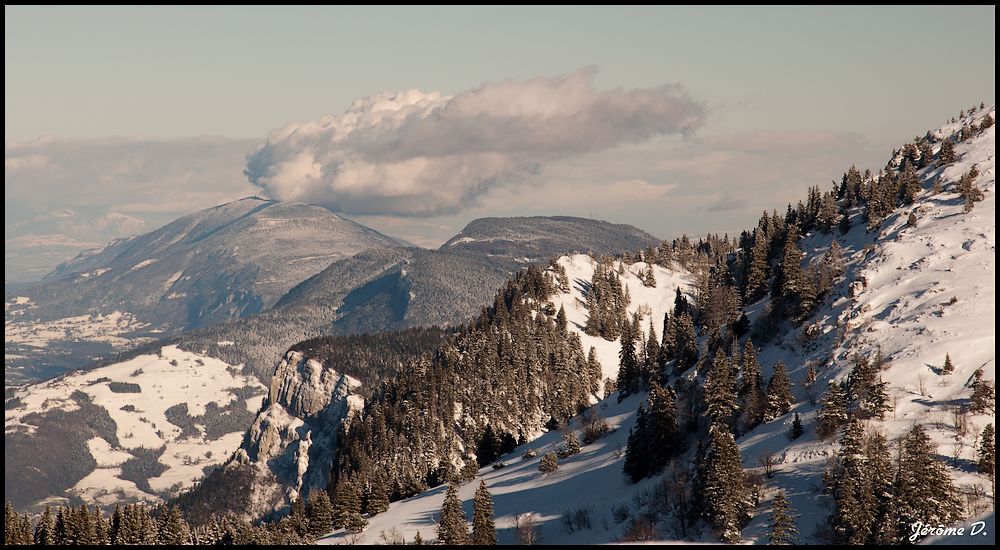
(792, 96)
(242, 71)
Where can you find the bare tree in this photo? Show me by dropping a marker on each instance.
(768, 462)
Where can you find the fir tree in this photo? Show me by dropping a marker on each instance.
(783, 530)
(853, 514)
(10, 522)
(876, 400)
(779, 393)
(662, 429)
(319, 510)
(571, 444)
(549, 463)
(948, 367)
(637, 453)
(44, 528)
(347, 507)
(378, 498)
(628, 365)
(833, 411)
(983, 394)
(725, 492)
(686, 343)
(173, 529)
(909, 184)
(797, 429)
(101, 528)
(756, 285)
(946, 155)
(751, 390)
(484, 531)
(452, 528)
(795, 289)
(720, 395)
(924, 491)
(987, 462)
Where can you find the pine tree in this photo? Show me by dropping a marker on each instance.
(779, 393)
(651, 365)
(876, 402)
(61, 533)
(686, 343)
(880, 481)
(798, 296)
(797, 429)
(45, 528)
(833, 411)
(484, 530)
(909, 183)
(452, 528)
(549, 463)
(751, 390)
(637, 452)
(378, 499)
(725, 493)
(628, 365)
(720, 394)
(987, 452)
(172, 528)
(101, 528)
(571, 443)
(949, 367)
(648, 277)
(946, 155)
(983, 394)
(924, 491)
(347, 506)
(319, 510)
(756, 285)
(662, 429)
(783, 530)
(853, 514)
(10, 523)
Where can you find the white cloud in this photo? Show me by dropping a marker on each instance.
(423, 154)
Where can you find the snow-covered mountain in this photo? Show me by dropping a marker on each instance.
(214, 265)
(538, 238)
(913, 292)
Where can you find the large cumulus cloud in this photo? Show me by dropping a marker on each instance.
(423, 154)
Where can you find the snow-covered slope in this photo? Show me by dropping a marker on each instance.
(917, 293)
(650, 302)
(592, 480)
(920, 293)
(141, 429)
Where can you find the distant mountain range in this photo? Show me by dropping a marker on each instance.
(242, 258)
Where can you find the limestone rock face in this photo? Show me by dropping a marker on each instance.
(291, 442)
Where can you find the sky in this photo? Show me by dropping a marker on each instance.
(417, 120)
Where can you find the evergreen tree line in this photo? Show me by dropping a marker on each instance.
(510, 372)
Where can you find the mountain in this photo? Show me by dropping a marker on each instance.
(880, 292)
(217, 264)
(910, 290)
(395, 288)
(539, 238)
